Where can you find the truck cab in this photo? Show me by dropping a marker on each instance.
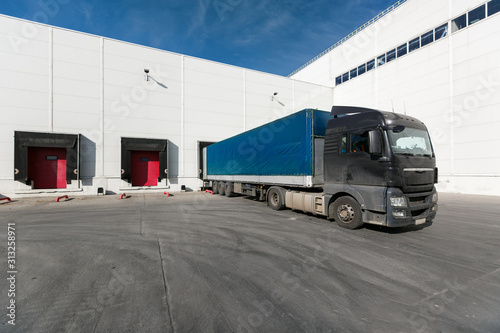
(379, 168)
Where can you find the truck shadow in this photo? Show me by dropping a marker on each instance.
(397, 230)
(387, 230)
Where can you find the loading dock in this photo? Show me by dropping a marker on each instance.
(46, 160)
(144, 168)
(47, 167)
(144, 162)
(201, 168)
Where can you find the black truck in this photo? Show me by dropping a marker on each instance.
(354, 165)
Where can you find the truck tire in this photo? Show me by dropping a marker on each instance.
(215, 187)
(346, 212)
(276, 198)
(228, 189)
(221, 187)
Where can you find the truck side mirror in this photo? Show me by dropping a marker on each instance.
(375, 142)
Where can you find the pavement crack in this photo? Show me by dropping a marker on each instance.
(165, 285)
(141, 222)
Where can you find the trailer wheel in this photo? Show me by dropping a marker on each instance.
(215, 187)
(346, 212)
(228, 189)
(221, 187)
(275, 198)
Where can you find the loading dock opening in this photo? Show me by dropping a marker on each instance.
(144, 168)
(47, 167)
(144, 162)
(201, 145)
(46, 160)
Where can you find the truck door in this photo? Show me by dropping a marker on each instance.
(336, 157)
(363, 167)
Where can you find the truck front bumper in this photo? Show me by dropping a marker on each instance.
(405, 209)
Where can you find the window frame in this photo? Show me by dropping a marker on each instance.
(362, 67)
(355, 71)
(455, 27)
(390, 56)
(445, 28)
(370, 65)
(359, 133)
(410, 49)
(427, 38)
(399, 53)
(346, 143)
(344, 76)
(482, 14)
(493, 4)
(379, 63)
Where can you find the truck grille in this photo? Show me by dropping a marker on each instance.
(419, 203)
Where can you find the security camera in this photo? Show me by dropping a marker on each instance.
(146, 71)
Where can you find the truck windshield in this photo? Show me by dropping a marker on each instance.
(410, 141)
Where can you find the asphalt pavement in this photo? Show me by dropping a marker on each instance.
(196, 262)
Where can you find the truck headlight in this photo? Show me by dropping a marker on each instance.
(435, 197)
(398, 202)
(399, 213)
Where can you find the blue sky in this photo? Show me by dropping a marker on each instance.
(274, 36)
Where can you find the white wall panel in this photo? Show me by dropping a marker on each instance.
(75, 55)
(76, 104)
(23, 81)
(18, 99)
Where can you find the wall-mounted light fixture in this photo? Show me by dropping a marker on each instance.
(148, 77)
(273, 98)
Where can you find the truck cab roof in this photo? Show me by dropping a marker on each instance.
(349, 117)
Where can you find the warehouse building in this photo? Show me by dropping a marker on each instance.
(88, 114)
(82, 113)
(434, 60)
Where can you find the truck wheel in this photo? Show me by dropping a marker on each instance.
(275, 198)
(346, 212)
(215, 187)
(228, 189)
(220, 187)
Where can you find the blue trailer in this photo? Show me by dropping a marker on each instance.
(287, 151)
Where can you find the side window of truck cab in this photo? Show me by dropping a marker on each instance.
(360, 142)
(343, 144)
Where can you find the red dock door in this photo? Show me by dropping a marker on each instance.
(47, 167)
(144, 168)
